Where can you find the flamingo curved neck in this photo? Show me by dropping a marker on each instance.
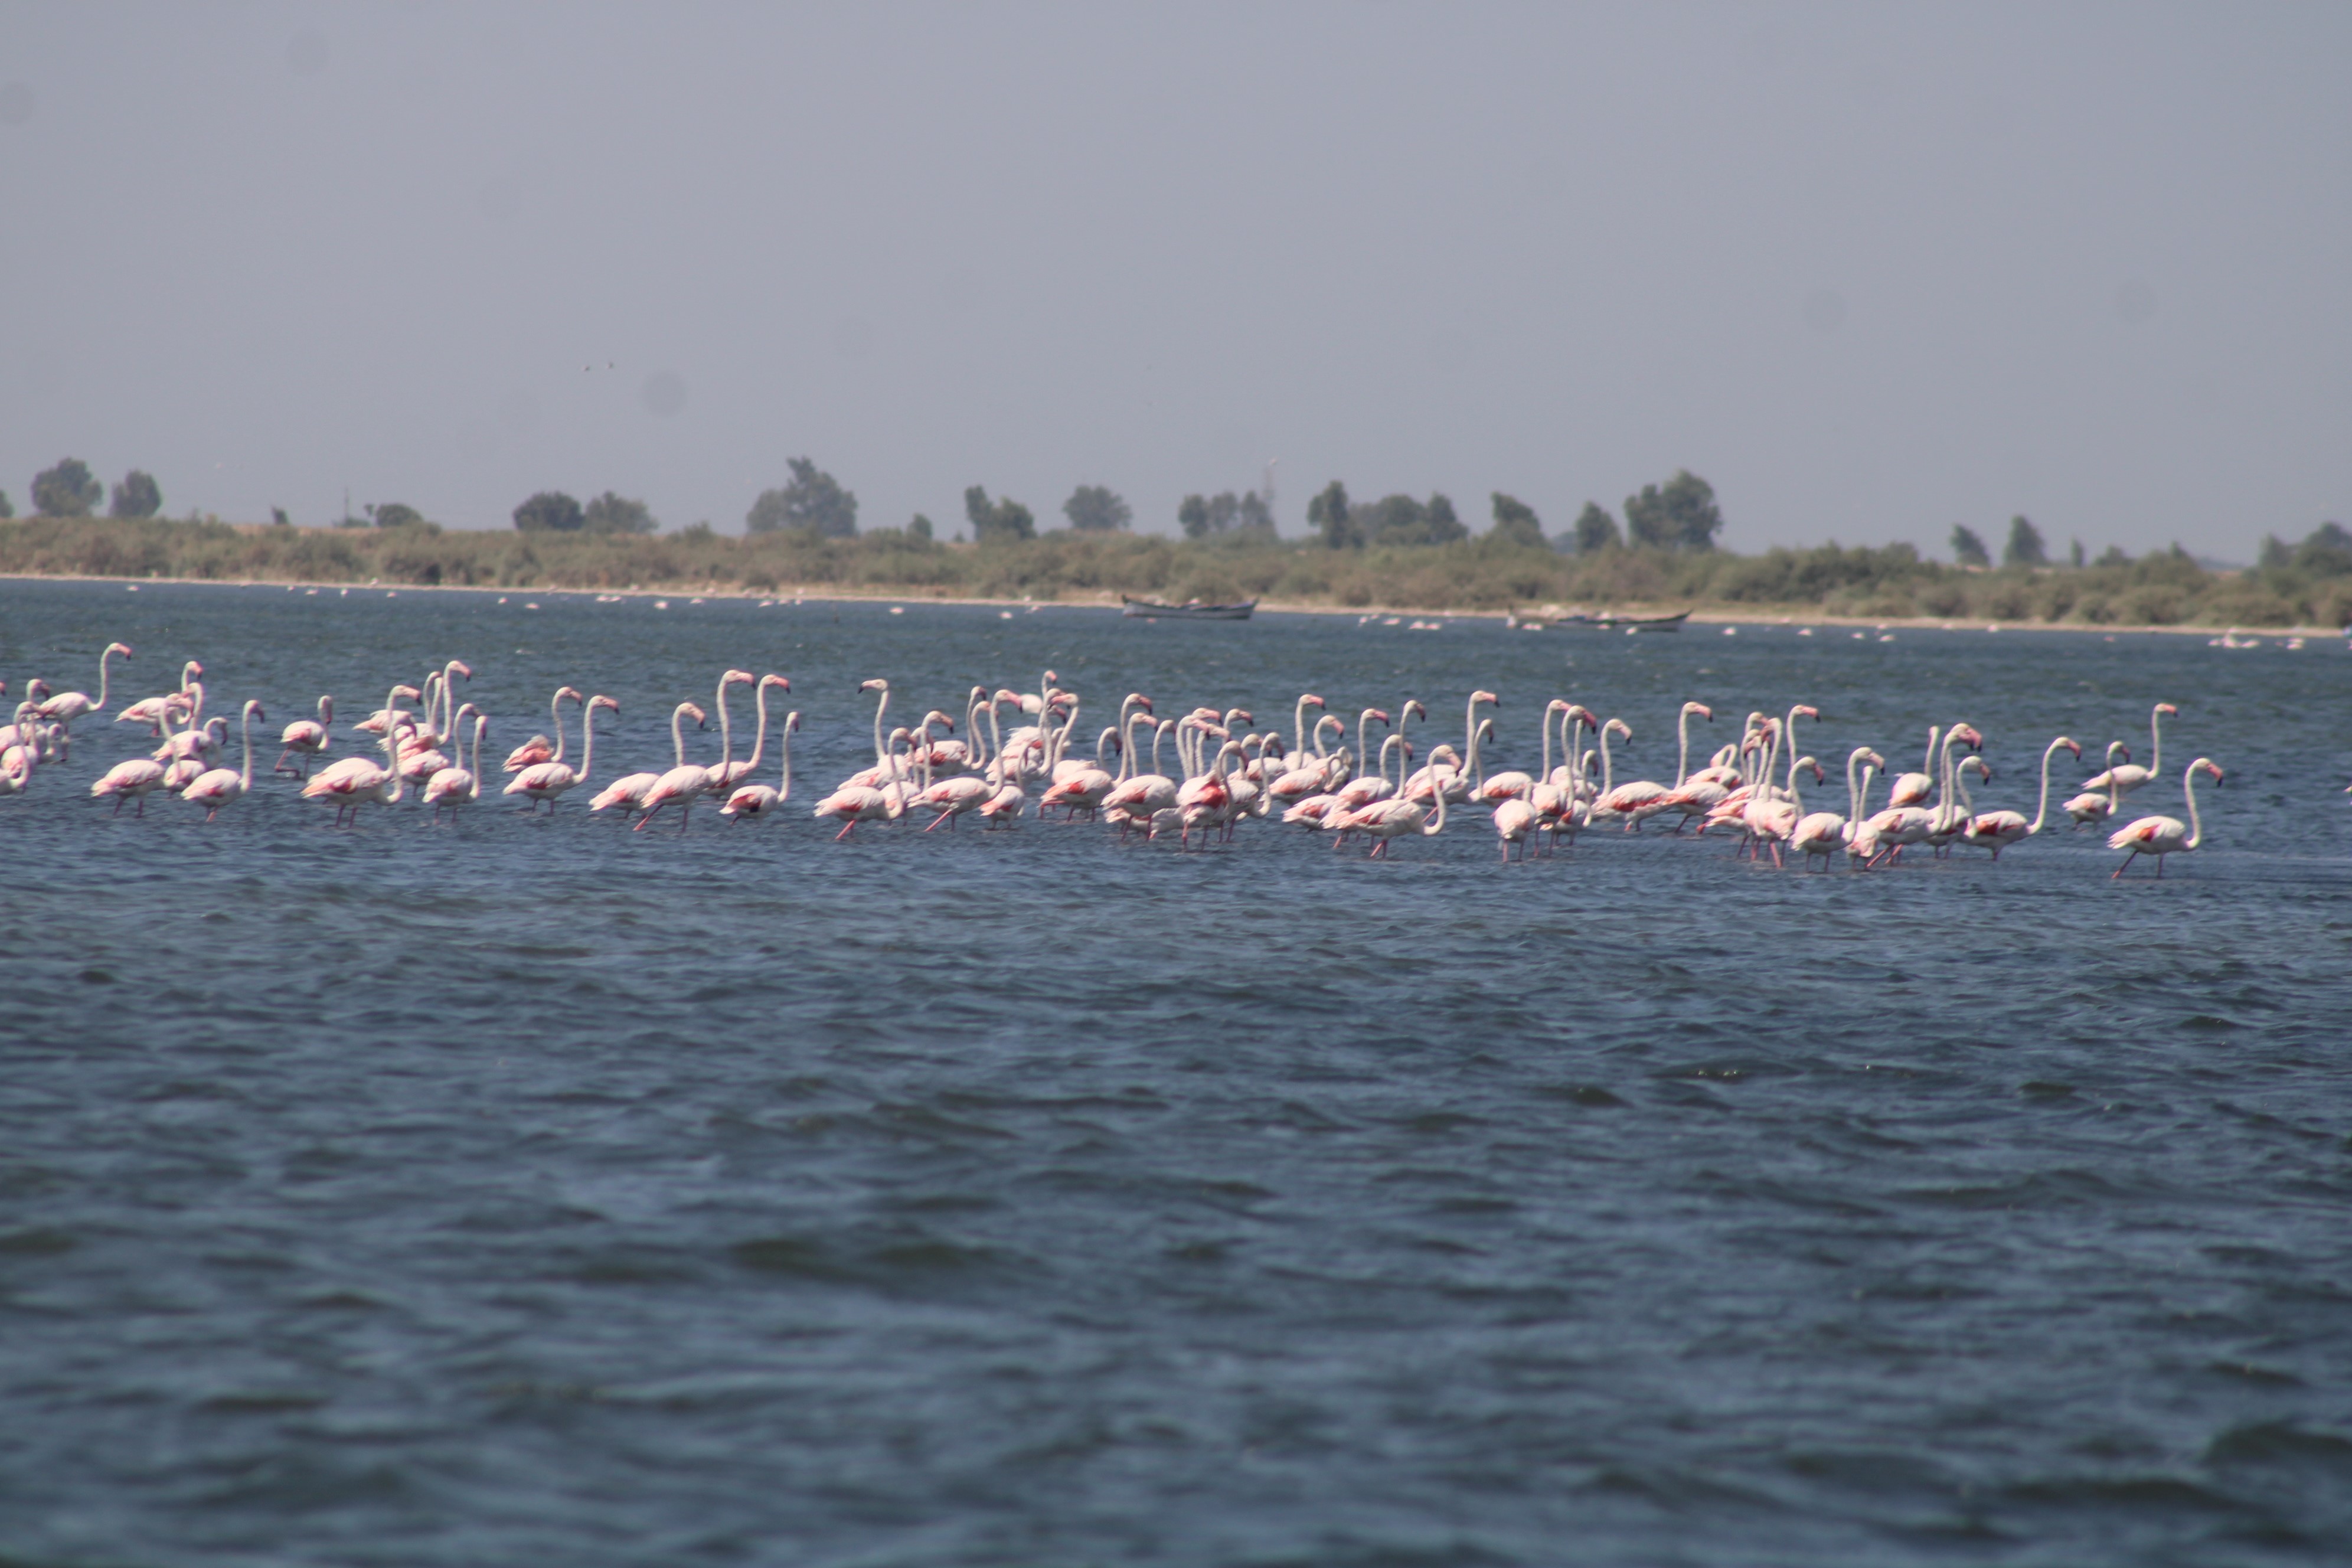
(244, 778)
(2188, 792)
(2043, 809)
(2155, 740)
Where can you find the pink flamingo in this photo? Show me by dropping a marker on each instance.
(2162, 836)
(2092, 807)
(1996, 830)
(151, 711)
(539, 748)
(1639, 800)
(727, 775)
(750, 801)
(356, 782)
(687, 781)
(306, 738)
(628, 791)
(68, 706)
(460, 785)
(1823, 833)
(548, 781)
(221, 787)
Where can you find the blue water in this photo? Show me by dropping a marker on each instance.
(537, 1191)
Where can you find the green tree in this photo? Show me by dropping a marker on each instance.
(1681, 514)
(2025, 547)
(1595, 530)
(1193, 516)
(392, 514)
(7, 511)
(1335, 519)
(1096, 509)
(1515, 522)
(2075, 554)
(1254, 517)
(612, 514)
(2326, 551)
(550, 512)
(137, 496)
(813, 503)
(999, 522)
(1966, 548)
(278, 519)
(921, 526)
(68, 489)
(2112, 555)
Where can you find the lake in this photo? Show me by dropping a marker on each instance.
(535, 1190)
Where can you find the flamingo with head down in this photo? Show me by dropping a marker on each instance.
(2131, 776)
(628, 791)
(1996, 830)
(151, 711)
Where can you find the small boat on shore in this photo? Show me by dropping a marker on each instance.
(1190, 610)
(1608, 622)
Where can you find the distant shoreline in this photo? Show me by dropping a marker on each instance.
(1713, 616)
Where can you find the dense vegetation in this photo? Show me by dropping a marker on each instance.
(1398, 550)
(2310, 584)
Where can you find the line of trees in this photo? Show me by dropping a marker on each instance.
(68, 489)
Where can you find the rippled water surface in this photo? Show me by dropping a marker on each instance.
(537, 1191)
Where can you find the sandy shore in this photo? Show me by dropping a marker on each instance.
(1718, 615)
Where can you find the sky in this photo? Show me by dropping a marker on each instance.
(1870, 271)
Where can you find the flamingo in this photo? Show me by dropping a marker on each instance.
(1910, 789)
(1959, 808)
(628, 791)
(752, 801)
(460, 785)
(1862, 845)
(686, 782)
(68, 706)
(221, 787)
(538, 749)
(727, 775)
(2130, 777)
(2162, 836)
(1141, 794)
(356, 782)
(1083, 787)
(151, 711)
(966, 792)
(548, 781)
(1996, 830)
(133, 779)
(304, 738)
(1772, 823)
(1639, 800)
(187, 713)
(2092, 807)
(1386, 821)
(1823, 833)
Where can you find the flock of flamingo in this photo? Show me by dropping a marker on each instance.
(1227, 771)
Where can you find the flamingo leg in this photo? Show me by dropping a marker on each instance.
(845, 830)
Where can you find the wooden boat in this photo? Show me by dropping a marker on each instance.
(1190, 610)
(1629, 623)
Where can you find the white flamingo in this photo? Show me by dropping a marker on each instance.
(1996, 830)
(2131, 776)
(2162, 836)
(68, 706)
(223, 787)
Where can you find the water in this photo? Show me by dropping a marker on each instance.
(538, 1191)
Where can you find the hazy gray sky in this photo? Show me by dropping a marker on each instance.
(1870, 269)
